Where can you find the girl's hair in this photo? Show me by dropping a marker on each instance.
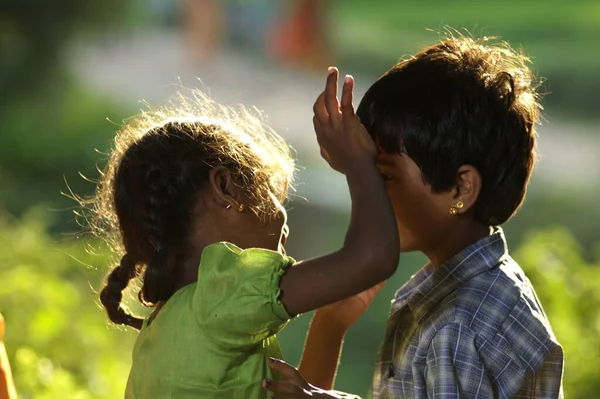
(149, 188)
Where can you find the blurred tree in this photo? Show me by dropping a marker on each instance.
(569, 289)
(56, 336)
(33, 34)
(60, 343)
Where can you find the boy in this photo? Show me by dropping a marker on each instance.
(455, 128)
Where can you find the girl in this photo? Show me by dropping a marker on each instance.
(194, 204)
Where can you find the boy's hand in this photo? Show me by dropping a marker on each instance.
(344, 141)
(347, 311)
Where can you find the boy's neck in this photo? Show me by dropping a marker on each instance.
(464, 235)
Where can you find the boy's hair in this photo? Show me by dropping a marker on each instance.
(462, 101)
(145, 201)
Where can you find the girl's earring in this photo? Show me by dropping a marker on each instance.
(240, 207)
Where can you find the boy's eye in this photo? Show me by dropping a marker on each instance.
(386, 177)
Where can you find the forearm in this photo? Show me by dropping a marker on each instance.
(369, 255)
(322, 351)
(372, 222)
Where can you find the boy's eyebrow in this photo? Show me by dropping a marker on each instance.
(385, 163)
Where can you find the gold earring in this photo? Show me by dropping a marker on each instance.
(240, 208)
(454, 208)
(228, 206)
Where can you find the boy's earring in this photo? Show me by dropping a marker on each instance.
(454, 208)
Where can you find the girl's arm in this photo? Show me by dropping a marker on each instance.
(372, 246)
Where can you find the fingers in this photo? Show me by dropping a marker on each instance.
(285, 389)
(331, 100)
(289, 372)
(327, 108)
(347, 100)
(320, 111)
(325, 155)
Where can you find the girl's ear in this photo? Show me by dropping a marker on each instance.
(223, 189)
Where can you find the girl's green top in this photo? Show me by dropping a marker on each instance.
(213, 338)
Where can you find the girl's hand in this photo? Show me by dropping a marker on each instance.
(344, 141)
(295, 386)
(347, 311)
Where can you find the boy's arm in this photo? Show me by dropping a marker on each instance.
(322, 350)
(454, 368)
(324, 340)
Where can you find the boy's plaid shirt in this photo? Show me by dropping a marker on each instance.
(472, 328)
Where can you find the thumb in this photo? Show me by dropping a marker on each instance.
(289, 372)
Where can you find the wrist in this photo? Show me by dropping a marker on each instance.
(361, 163)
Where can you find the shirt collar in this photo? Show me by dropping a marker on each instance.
(429, 286)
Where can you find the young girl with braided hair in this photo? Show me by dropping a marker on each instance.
(193, 204)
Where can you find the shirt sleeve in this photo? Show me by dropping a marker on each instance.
(237, 295)
(454, 368)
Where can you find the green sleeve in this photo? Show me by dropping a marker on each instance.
(237, 295)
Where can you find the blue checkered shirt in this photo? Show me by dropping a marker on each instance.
(472, 328)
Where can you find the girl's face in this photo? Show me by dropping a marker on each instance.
(277, 229)
(218, 217)
(270, 234)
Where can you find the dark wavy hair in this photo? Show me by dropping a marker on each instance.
(149, 189)
(461, 101)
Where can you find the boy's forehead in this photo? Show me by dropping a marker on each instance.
(385, 159)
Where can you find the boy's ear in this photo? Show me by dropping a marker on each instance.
(467, 188)
(223, 188)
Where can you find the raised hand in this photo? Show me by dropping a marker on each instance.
(343, 140)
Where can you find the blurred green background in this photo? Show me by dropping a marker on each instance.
(71, 71)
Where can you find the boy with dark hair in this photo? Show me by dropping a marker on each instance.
(455, 128)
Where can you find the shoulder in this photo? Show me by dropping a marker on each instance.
(226, 252)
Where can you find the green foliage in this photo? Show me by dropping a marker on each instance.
(46, 140)
(569, 289)
(34, 34)
(58, 339)
(61, 345)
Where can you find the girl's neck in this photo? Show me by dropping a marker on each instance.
(189, 269)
